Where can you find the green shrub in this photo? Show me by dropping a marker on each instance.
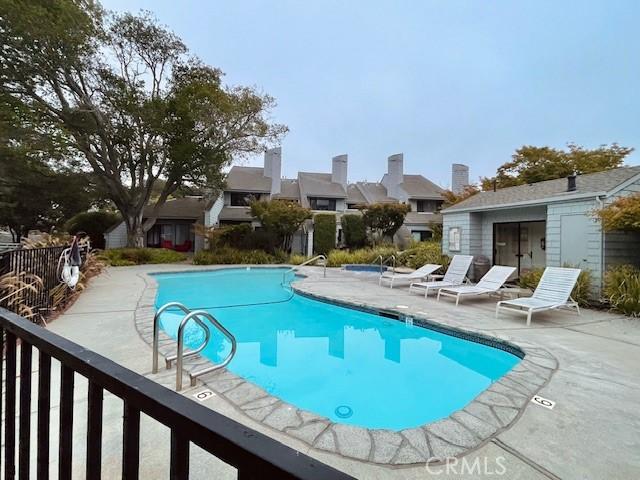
(581, 292)
(530, 278)
(94, 224)
(354, 231)
(242, 237)
(120, 257)
(297, 259)
(234, 256)
(421, 253)
(324, 233)
(622, 289)
(337, 258)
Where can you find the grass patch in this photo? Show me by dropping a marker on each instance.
(121, 257)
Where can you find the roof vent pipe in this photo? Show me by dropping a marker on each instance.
(571, 183)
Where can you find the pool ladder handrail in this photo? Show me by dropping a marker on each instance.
(306, 262)
(384, 261)
(180, 356)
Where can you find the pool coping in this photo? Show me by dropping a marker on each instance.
(494, 410)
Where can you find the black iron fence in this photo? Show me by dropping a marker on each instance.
(42, 262)
(253, 454)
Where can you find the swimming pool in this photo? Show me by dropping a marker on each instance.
(350, 366)
(363, 267)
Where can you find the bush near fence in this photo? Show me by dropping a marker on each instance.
(30, 283)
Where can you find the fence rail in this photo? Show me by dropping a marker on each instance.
(253, 454)
(42, 262)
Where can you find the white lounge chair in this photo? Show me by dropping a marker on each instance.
(553, 291)
(490, 283)
(420, 274)
(454, 276)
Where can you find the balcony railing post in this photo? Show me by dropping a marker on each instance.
(66, 423)
(44, 405)
(94, 431)
(24, 439)
(179, 468)
(10, 409)
(131, 442)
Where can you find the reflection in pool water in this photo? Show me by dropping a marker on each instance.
(329, 359)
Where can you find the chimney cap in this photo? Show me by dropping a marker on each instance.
(571, 182)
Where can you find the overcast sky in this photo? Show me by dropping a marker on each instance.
(441, 81)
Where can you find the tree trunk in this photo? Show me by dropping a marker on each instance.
(135, 232)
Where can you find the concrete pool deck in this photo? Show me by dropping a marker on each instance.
(592, 432)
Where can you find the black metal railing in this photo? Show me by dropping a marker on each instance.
(42, 262)
(253, 454)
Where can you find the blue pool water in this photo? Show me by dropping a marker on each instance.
(358, 267)
(350, 366)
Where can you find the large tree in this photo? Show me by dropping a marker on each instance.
(124, 96)
(384, 219)
(282, 218)
(535, 164)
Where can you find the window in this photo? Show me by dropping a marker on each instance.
(421, 235)
(352, 206)
(242, 199)
(317, 203)
(454, 239)
(428, 205)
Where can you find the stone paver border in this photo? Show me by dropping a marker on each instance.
(491, 412)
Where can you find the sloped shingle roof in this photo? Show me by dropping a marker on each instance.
(375, 192)
(235, 213)
(420, 218)
(354, 195)
(289, 189)
(188, 208)
(419, 187)
(248, 179)
(540, 192)
(319, 185)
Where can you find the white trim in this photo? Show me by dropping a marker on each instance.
(624, 185)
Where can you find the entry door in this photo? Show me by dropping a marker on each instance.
(520, 245)
(506, 248)
(574, 231)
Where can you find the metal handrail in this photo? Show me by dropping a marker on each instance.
(314, 259)
(156, 334)
(194, 315)
(384, 261)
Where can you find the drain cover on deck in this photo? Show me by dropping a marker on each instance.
(344, 411)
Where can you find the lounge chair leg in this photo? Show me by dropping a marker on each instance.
(426, 292)
(497, 309)
(457, 299)
(529, 317)
(578, 309)
(438, 297)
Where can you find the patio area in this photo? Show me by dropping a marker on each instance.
(596, 384)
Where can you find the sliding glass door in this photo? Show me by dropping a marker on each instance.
(520, 245)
